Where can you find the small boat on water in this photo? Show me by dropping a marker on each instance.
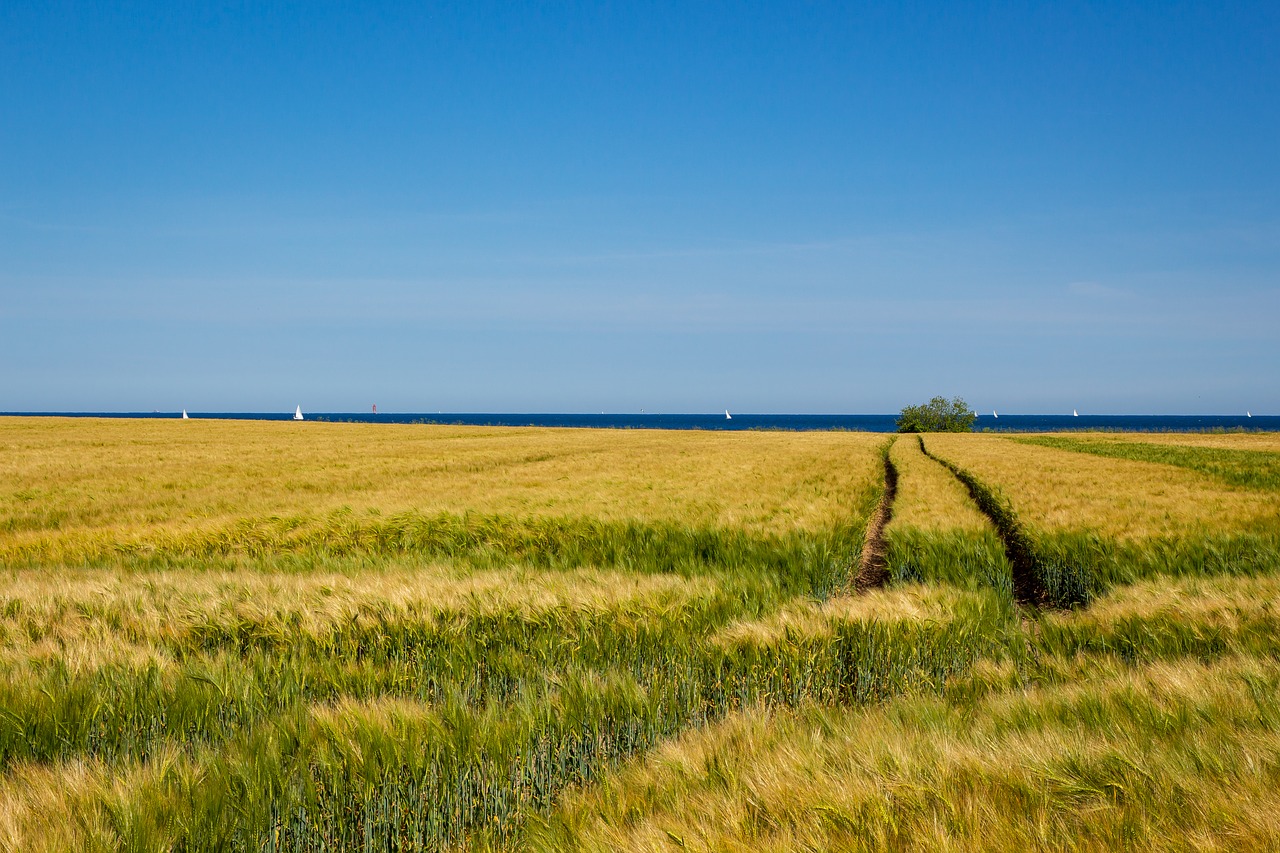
(1074, 413)
(185, 417)
(993, 414)
(1248, 414)
(297, 414)
(727, 416)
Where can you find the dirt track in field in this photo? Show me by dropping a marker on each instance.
(873, 568)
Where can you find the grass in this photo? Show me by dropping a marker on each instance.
(351, 637)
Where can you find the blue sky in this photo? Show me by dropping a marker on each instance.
(670, 207)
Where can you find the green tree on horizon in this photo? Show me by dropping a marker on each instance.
(937, 415)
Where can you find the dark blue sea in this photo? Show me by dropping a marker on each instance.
(860, 423)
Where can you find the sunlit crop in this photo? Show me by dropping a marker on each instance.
(1058, 490)
(75, 484)
(306, 637)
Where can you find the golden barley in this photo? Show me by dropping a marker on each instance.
(1058, 490)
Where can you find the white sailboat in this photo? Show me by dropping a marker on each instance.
(727, 416)
(1248, 414)
(1074, 413)
(993, 414)
(297, 414)
(184, 415)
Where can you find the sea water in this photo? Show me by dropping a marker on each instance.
(744, 421)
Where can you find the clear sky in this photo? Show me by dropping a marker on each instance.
(664, 206)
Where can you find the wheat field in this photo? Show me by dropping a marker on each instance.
(274, 636)
(1058, 490)
(1267, 442)
(929, 499)
(76, 487)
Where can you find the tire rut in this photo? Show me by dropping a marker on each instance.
(873, 564)
(1028, 586)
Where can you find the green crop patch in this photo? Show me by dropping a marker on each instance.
(1251, 469)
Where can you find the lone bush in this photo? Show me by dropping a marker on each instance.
(937, 415)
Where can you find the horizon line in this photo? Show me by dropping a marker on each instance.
(717, 413)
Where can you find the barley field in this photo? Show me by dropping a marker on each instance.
(275, 636)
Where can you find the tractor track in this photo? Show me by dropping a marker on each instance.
(873, 564)
(1028, 583)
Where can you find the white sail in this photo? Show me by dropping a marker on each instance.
(297, 415)
(993, 414)
(727, 416)
(1074, 413)
(184, 415)
(1248, 414)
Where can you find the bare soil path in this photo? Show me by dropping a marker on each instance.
(873, 567)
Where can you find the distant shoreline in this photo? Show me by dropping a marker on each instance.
(880, 423)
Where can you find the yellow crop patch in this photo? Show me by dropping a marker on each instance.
(1058, 490)
(125, 479)
(929, 497)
